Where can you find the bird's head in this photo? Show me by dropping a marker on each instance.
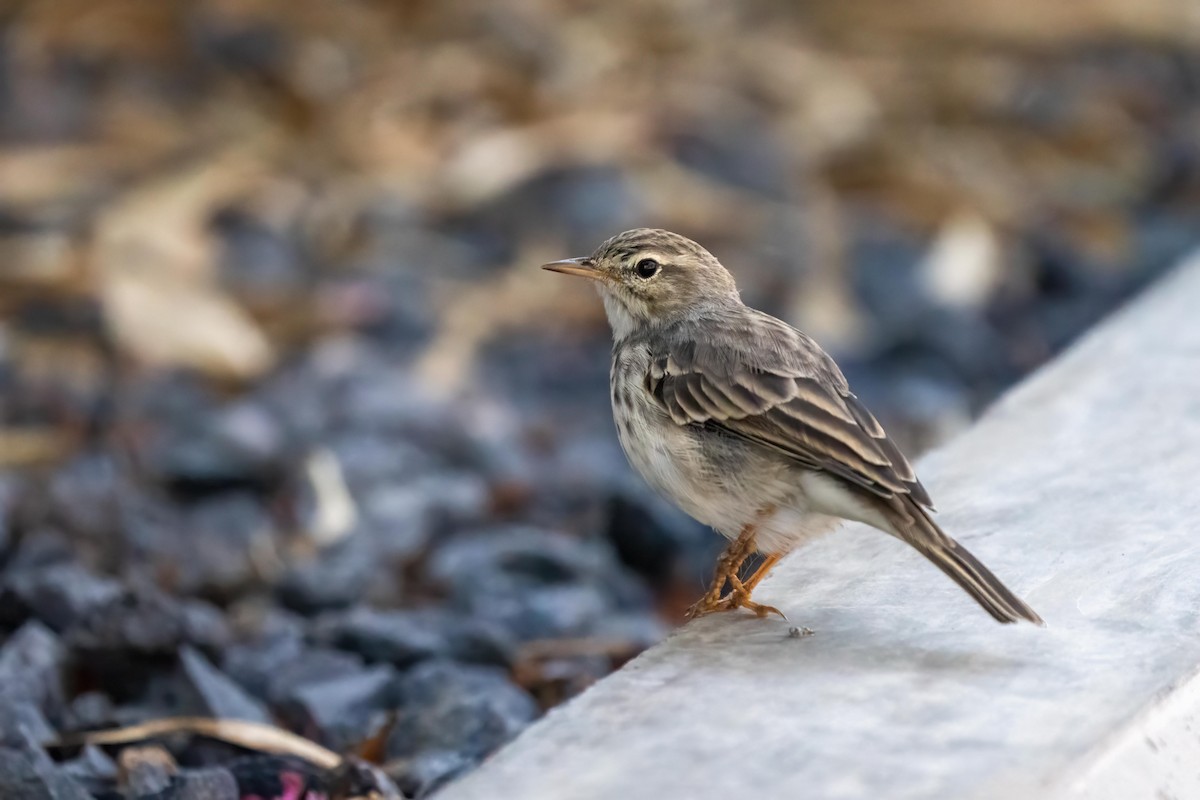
(649, 277)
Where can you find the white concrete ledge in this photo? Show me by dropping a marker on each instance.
(1081, 489)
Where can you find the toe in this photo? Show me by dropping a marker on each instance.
(762, 611)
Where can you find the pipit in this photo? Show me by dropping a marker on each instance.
(748, 425)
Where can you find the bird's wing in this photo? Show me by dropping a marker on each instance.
(762, 380)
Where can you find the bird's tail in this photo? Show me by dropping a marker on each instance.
(965, 569)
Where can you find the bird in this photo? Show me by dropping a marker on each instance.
(749, 426)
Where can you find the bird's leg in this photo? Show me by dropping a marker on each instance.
(759, 573)
(727, 569)
(740, 596)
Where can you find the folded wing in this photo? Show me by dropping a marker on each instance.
(768, 383)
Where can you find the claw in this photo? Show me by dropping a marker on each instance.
(731, 602)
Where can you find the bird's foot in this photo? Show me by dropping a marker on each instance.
(731, 602)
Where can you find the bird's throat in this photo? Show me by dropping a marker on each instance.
(621, 318)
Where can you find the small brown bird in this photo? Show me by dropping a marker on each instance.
(748, 425)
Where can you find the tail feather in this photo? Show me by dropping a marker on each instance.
(966, 570)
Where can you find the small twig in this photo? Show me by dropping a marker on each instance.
(250, 735)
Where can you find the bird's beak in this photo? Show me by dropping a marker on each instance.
(583, 267)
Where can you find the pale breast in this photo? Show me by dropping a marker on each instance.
(699, 471)
(669, 457)
(718, 479)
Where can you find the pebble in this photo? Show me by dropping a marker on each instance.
(33, 662)
(92, 769)
(342, 711)
(196, 453)
(400, 638)
(656, 540)
(520, 555)
(58, 595)
(470, 710)
(215, 694)
(116, 643)
(33, 777)
(22, 721)
(336, 577)
(8, 494)
(421, 775)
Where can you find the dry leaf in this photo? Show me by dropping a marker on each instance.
(155, 261)
(250, 735)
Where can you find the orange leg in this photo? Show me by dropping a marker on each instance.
(760, 573)
(740, 596)
(727, 570)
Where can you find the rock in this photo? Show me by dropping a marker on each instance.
(258, 618)
(217, 695)
(146, 771)
(402, 638)
(469, 710)
(533, 583)
(89, 711)
(278, 664)
(145, 621)
(25, 769)
(406, 637)
(255, 663)
(344, 711)
(117, 642)
(209, 450)
(375, 397)
(84, 496)
(337, 577)
(472, 639)
(34, 777)
(32, 667)
(421, 775)
(92, 769)
(402, 518)
(207, 547)
(656, 540)
(57, 594)
(8, 495)
(202, 625)
(39, 547)
(355, 778)
(526, 555)
(22, 722)
(213, 551)
(211, 783)
(310, 665)
(528, 613)
(369, 459)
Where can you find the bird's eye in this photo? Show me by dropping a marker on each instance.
(646, 268)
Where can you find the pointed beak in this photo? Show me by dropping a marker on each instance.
(583, 267)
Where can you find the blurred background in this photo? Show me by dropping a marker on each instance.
(292, 428)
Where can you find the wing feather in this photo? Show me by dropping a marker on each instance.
(766, 382)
